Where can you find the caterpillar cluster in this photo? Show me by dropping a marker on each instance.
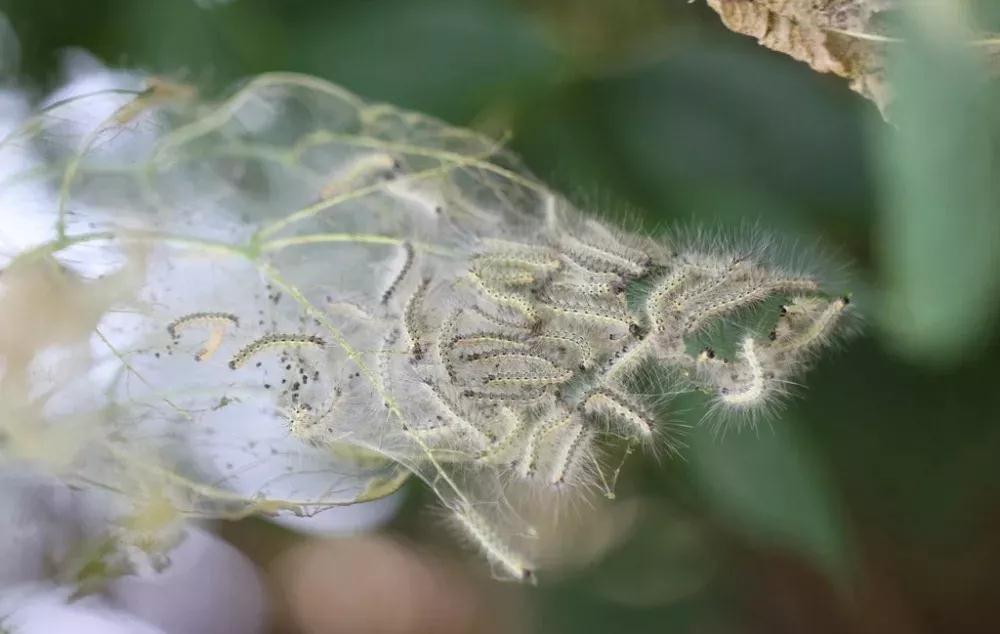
(483, 333)
(527, 363)
(531, 361)
(431, 308)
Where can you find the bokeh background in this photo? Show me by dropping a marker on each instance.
(869, 504)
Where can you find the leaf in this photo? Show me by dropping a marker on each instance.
(940, 234)
(849, 38)
(773, 488)
(807, 31)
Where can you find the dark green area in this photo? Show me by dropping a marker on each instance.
(880, 484)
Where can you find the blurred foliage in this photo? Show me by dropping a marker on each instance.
(941, 192)
(887, 470)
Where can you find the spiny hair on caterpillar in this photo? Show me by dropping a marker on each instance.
(555, 376)
(627, 416)
(807, 323)
(603, 257)
(748, 387)
(508, 358)
(199, 319)
(509, 278)
(482, 342)
(606, 239)
(573, 464)
(508, 273)
(515, 300)
(535, 452)
(449, 411)
(726, 273)
(503, 317)
(699, 247)
(722, 304)
(516, 425)
(628, 360)
(414, 319)
(502, 555)
(523, 396)
(516, 255)
(272, 341)
(491, 368)
(585, 311)
(404, 268)
(563, 342)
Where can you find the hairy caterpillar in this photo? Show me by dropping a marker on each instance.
(257, 346)
(501, 360)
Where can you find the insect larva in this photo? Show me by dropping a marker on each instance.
(585, 289)
(591, 264)
(496, 551)
(384, 355)
(586, 351)
(508, 276)
(754, 291)
(754, 390)
(723, 277)
(217, 322)
(413, 319)
(445, 339)
(599, 260)
(460, 420)
(588, 313)
(508, 358)
(523, 396)
(794, 285)
(481, 337)
(617, 407)
(577, 437)
(612, 246)
(514, 300)
(628, 361)
(543, 263)
(194, 319)
(530, 379)
(726, 303)
(257, 346)
(663, 291)
(529, 460)
(212, 344)
(499, 320)
(502, 446)
(817, 330)
(520, 254)
(409, 255)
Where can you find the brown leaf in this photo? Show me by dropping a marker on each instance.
(832, 36)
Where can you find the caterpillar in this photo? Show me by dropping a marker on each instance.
(266, 342)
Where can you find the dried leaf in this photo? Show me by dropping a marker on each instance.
(849, 38)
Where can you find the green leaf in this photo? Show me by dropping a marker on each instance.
(940, 231)
(772, 488)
